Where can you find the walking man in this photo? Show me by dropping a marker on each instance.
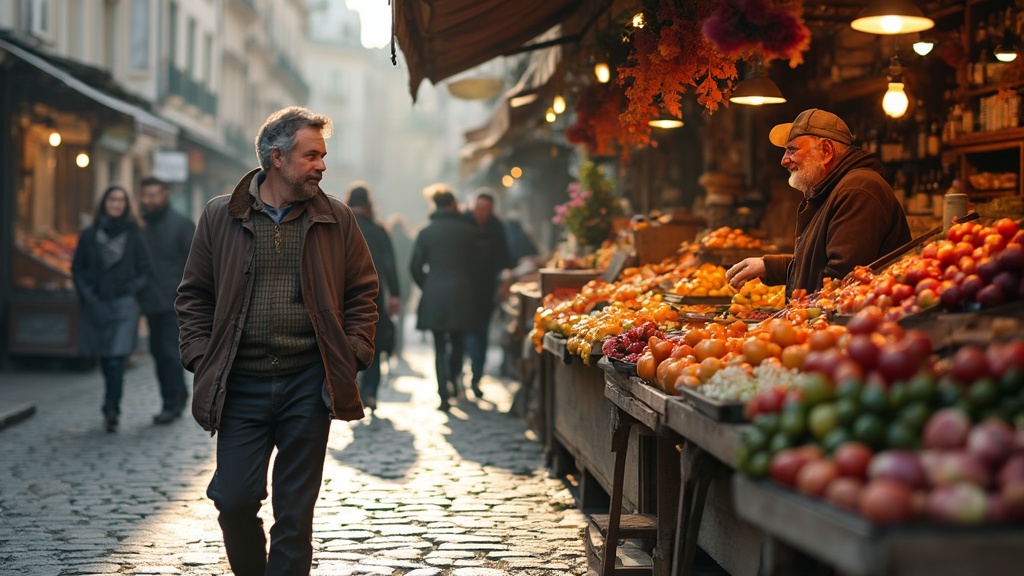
(492, 257)
(277, 317)
(168, 236)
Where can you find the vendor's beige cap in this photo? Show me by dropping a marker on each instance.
(816, 122)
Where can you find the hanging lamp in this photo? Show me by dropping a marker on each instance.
(895, 101)
(758, 88)
(891, 17)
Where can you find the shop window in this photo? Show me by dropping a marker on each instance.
(40, 18)
(139, 35)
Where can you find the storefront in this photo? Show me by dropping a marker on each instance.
(65, 140)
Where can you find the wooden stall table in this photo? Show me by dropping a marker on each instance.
(857, 547)
(577, 418)
(706, 513)
(639, 412)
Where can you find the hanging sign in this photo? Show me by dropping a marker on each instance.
(170, 165)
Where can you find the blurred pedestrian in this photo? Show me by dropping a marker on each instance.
(520, 243)
(277, 317)
(492, 256)
(168, 235)
(109, 269)
(388, 302)
(441, 269)
(401, 240)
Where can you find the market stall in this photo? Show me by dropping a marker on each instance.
(765, 409)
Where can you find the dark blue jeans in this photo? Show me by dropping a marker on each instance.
(113, 381)
(448, 360)
(261, 413)
(163, 345)
(476, 347)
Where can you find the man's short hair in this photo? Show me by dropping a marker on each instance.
(281, 127)
(153, 181)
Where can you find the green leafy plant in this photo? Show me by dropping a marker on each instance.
(591, 207)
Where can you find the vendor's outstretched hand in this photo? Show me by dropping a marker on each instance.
(746, 269)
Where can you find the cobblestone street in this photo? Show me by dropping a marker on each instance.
(411, 491)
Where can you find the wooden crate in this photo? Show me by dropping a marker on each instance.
(551, 278)
(657, 243)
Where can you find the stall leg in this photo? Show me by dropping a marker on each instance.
(695, 472)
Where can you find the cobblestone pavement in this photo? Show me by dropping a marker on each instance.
(411, 491)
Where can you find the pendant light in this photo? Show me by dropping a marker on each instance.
(1007, 49)
(665, 121)
(923, 47)
(895, 101)
(602, 72)
(892, 17)
(758, 88)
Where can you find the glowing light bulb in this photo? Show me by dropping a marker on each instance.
(923, 48)
(1006, 56)
(895, 101)
(507, 181)
(82, 160)
(602, 72)
(516, 172)
(558, 105)
(54, 138)
(638, 20)
(550, 116)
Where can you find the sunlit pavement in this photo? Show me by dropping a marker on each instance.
(409, 491)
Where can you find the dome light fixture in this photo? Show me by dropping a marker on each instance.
(665, 122)
(758, 88)
(892, 17)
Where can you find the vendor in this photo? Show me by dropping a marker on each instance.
(848, 217)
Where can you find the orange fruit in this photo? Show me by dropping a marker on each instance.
(755, 350)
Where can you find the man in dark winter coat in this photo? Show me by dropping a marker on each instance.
(168, 236)
(849, 215)
(443, 270)
(492, 257)
(383, 254)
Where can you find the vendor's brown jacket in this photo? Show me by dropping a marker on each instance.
(338, 283)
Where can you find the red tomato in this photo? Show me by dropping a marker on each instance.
(852, 459)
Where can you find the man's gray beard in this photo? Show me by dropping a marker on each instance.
(304, 191)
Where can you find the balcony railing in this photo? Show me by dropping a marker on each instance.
(192, 92)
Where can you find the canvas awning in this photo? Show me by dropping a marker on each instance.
(441, 38)
(145, 120)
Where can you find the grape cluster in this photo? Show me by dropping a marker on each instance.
(629, 345)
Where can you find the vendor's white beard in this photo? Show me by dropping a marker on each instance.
(807, 178)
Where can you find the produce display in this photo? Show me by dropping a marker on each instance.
(726, 237)
(863, 414)
(54, 250)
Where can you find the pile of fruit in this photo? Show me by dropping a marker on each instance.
(726, 237)
(629, 345)
(56, 250)
(883, 428)
(706, 280)
(975, 265)
(758, 295)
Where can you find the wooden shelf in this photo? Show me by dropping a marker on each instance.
(988, 137)
(987, 90)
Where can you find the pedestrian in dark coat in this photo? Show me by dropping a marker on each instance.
(388, 301)
(492, 256)
(109, 269)
(441, 266)
(168, 235)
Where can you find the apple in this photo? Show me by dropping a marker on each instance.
(969, 364)
(885, 501)
(992, 441)
(902, 466)
(957, 503)
(947, 429)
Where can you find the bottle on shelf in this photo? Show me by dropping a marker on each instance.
(954, 205)
(934, 143)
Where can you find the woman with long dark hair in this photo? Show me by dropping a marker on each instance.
(109, 269)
